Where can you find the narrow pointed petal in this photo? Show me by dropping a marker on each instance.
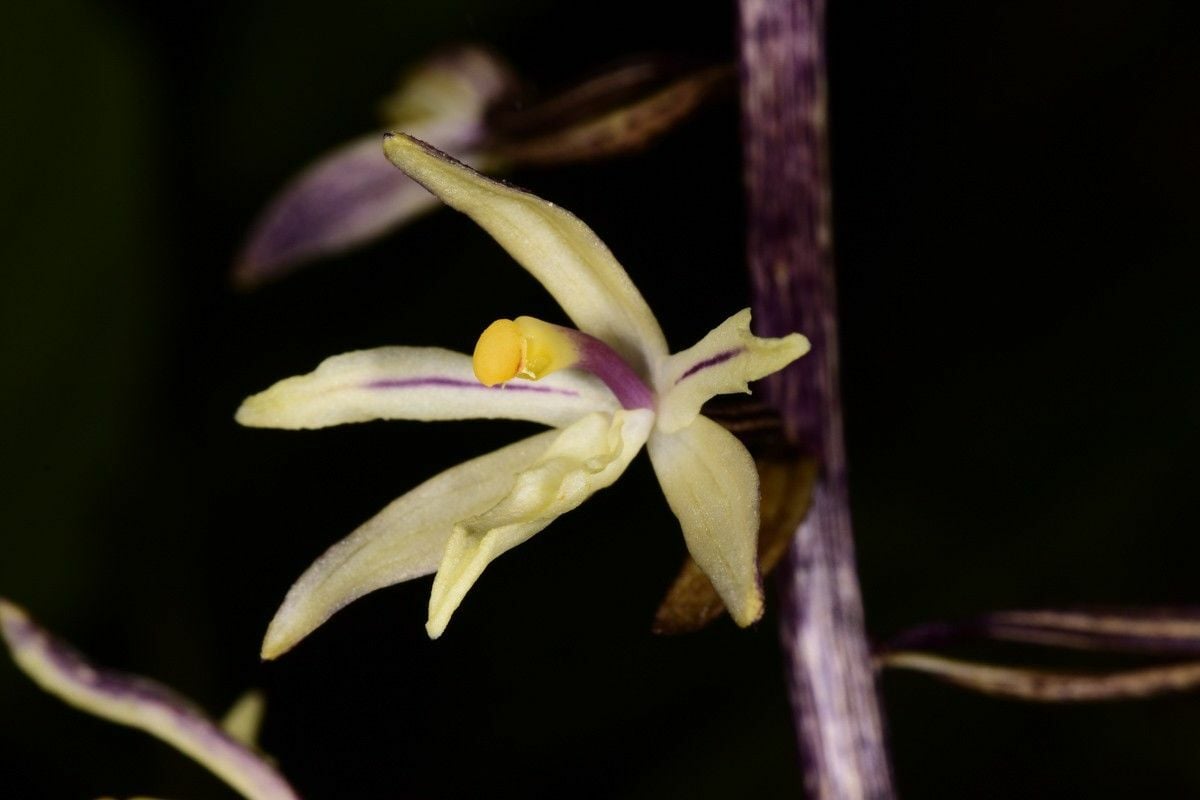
(618, 112)
(1049, 686)
(584, 458)
(723, 362)
(786, 487)
(404, 541)
(711, 484)
(559, 250)
(139, 703)
(417, 383)
(352, 194)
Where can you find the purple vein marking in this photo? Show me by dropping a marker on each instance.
(139, 703)
(719, 358)
(459, 383)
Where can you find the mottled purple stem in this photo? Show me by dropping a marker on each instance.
(838, 719)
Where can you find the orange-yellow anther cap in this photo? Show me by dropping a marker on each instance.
(522, 348)
(499, 353)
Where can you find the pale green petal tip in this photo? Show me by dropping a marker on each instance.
(255, 410)
(749, 610)
(794, 345)
(11, 615)
(467, 556)
(292, 623)
(435, 629)
(405, 151)
(282, 635)
(11, 612)
(279, 406)
(243, 721)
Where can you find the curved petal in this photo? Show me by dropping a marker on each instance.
(404, 541)
(139, 703)
(712, 486)
(348, 197)
(585, 458)
(556, 247)
(723, 362)
(352, 194)
(420, 383)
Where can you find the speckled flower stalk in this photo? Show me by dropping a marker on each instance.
(838, 719)
(142, 703)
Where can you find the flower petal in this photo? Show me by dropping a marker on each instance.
(559, 250)
(348, 197)
(352, 194)
(711, 484)
(584, 458)
(723, 362)
(419, 383)
(406, 540)
(139, 703)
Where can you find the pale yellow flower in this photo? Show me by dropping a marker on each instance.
(607, 389)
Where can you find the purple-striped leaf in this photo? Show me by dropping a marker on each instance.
(1161, 631)
(139, 703)
(1049, 686)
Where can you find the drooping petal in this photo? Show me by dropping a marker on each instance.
(711, 484)
(584, 458)
(404, 541)
(559, 250)
(723, 362)
(786, 488)
(139, 703)
(418, 383)
(352, 194)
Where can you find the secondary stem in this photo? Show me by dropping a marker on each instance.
(838, 720)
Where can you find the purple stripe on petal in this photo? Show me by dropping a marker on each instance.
(719, 358)
(459, 383)
(602, 361)
(137, 702)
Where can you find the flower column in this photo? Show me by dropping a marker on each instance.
(837, 715)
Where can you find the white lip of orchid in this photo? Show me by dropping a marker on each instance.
(608, 388)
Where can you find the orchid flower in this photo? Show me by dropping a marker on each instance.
(227, 749)
(607, 388)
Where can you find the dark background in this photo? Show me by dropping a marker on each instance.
(1015, 199)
